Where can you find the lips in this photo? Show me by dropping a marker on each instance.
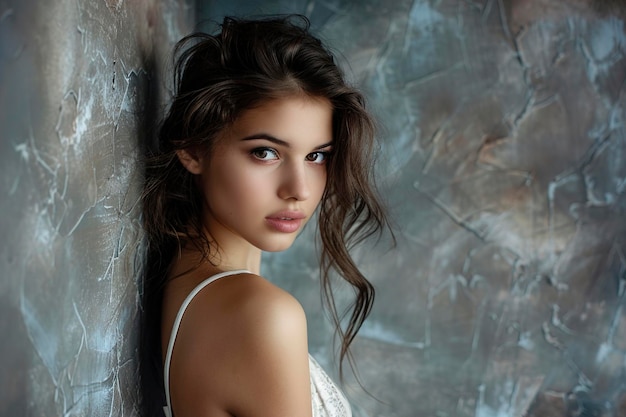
(285, 221)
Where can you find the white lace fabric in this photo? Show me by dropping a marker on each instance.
(326, 398)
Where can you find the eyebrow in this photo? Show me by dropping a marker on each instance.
(280, 142)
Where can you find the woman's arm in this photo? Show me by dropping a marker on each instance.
(242, 351)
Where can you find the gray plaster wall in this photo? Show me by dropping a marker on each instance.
(504, 164)
(79, 88)
(503, 160)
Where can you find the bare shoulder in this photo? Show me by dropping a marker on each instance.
(262, 304)
(244, 307)
(242, 343)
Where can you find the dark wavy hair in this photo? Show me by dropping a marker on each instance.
(217, 78)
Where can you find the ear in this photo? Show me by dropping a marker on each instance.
(190, 160)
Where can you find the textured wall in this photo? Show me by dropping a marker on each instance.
(504, 162)
(78, 88)
(505, 166)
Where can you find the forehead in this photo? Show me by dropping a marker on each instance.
(291, 119)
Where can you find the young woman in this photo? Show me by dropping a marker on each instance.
(261, 132)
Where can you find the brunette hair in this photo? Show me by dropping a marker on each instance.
(217, 78)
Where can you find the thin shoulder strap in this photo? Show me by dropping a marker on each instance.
(179, 317)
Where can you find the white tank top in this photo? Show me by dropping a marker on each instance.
(326, 398)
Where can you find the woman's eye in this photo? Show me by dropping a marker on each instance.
(317, 157)
(264, 154)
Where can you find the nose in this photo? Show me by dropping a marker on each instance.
(294, 183)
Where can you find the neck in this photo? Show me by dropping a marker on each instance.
(229, 251)
(191, 260)
(250, 261)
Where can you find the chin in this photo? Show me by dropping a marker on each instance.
(277, 246)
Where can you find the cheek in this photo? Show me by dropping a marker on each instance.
(320, 185)
(240, 185)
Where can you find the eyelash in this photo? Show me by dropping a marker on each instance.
(257, 151)
(325, 154)
(264, 150)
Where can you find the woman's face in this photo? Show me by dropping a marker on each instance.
(266, 173)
